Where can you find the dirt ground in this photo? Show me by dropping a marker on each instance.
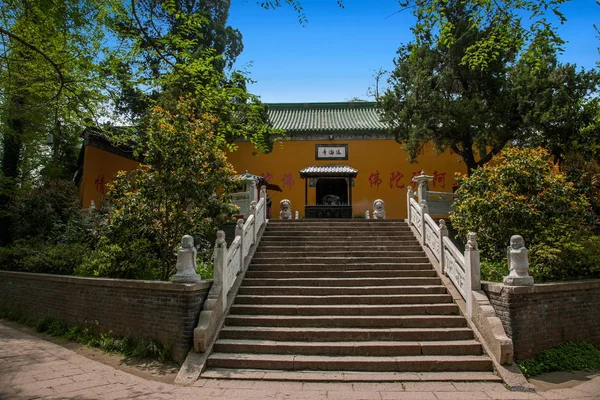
(143, 368)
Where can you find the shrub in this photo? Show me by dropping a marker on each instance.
(523, 193)
(32, 256)
(568, 356)
(49, 213)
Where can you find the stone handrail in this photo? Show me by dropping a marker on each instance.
(229, 264)
(463, 270)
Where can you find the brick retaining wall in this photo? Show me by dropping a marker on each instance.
(162, 311)
(544, 315)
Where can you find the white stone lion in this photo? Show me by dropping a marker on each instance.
(378, 209)
(285, 207)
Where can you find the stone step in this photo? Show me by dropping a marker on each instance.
(347, 282)
(339, 260)
(350, 376)
(347, 253)
(364, 349)
(376, 299)
(308, 334)
(328, 291)
(339, 267)
(400, 246)
(345, 309)
(337, 241)
(338, 230)
(327, 363)
(337, 235)
(385, 273)
(336, 221)
(344, 321)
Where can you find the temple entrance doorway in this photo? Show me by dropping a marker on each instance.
(332, 188)
(332, 191)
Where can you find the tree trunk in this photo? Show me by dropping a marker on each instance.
(12, 146)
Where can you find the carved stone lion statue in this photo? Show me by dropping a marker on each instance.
(378, 209)
(285, 209)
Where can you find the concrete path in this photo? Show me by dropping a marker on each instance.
(32, 368)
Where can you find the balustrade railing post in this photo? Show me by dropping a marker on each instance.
(239, 231)
(253, 212)
(409, 195)
(220, 266)
(443, 233)
(472, 271)
(424, 210)
(263, 195)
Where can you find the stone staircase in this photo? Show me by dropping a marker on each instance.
(347, 297)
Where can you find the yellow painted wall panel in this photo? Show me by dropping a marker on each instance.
(384, 171)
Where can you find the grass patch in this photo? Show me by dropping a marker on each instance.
(129, 347)
(568, 356)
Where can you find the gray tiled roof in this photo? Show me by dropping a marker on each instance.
(319, 117)
(328, 170)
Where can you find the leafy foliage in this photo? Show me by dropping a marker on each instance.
(568, 356)
(443, 91)
(501, 23)
(183, 189)
(130, 347)
(524, 193)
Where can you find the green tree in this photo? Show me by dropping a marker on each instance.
(184, 188)
(180, 48)
(524, 193)
(50, 85)
(516, 24)
(435, 96)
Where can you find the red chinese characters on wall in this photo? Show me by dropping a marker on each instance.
(375, 179)
(395, 180)
(287, 181)
(439, 178)
(100, 183)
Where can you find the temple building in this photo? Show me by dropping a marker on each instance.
(335, 160)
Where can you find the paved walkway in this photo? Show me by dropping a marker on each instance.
(32, 368)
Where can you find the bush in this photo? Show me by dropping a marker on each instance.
(569, 356)
(137, 260)
(49, 213)
(30, 256)
(523, 193)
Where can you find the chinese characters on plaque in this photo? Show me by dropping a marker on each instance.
(331, 152)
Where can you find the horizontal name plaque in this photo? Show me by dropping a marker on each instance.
(331, 152)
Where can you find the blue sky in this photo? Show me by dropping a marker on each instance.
(335, 55)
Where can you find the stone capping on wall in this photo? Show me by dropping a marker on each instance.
(495, 287)
(111, 282)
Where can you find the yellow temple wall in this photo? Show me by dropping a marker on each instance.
(384, 172)
(100, 167)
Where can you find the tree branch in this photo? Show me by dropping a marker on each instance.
(61, 78)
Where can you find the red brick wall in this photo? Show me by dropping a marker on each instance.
(545, 315)
(161, 311)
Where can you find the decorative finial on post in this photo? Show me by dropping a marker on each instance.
(263, 192)
(296, 215)
(253, 207)
(186, 262)
(92, 207)
(239, 227)
(367, 216)
(471, 241)
(518, 263)
(424, 206)
(285, 209)
(378, 209)
(411, 192)
(422, 180)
